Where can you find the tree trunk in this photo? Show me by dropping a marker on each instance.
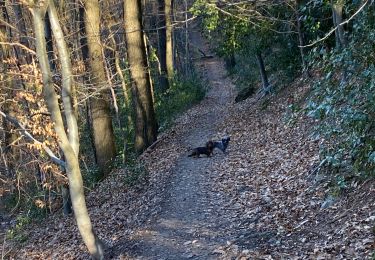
(262, 70)
(7, 88)
(162, 48)
(104, 139)
(49, 43)
(169, 38)
(93, 244)
(145, 121)
(300, 37)
(337, 7)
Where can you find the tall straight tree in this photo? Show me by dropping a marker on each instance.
(145, 120)
(162, 48)
(104, 139)
(169, 38)
(7, 88)
(68, 139)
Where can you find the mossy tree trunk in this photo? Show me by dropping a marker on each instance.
(145, 120)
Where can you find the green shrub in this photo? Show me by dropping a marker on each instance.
(343, 101)
(181, 95)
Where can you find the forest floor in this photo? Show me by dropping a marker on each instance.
(261, 200)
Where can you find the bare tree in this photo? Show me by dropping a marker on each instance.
(67, 142)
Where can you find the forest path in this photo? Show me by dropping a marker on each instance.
(191, 224)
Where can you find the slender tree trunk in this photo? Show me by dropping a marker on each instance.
(49, 43)
(187, 53)
(300, 36)
(7, 87)
(145, 120)
(162, 48)
(119, 72)
(169, 38)
(262, 71)
(104, 139)
(72, 166)
(68, 94)
(337, 10)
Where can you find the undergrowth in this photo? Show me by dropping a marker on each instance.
(182, 94)
(343, 102)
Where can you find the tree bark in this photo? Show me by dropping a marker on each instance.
(162, 48)
(145, 123)
(8, 87)
(169, 39)
(104, 139)
(337, 7)
(92, 242)
(262, 71)
(68, 95)
(300, 36)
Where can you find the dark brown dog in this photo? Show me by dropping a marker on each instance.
(207, 150)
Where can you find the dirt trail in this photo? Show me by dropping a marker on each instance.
(191, 224)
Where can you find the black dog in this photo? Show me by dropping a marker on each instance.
(207, 150)
(223, 144)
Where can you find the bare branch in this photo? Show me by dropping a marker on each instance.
(15, 122)
(19, 45)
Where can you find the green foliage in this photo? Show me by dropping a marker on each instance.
(181, 95)
(242, 31)
(17, 232)
(209, 13)
(343, 101)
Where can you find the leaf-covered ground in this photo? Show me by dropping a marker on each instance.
(261, 200)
